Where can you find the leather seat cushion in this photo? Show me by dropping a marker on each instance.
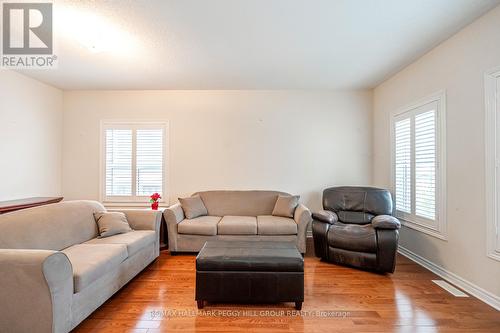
(203, 225)
(353, 237)
(276, 225)
(250, 256)
(92, 261)
(354, 217)
(134, 240)
(237, 225)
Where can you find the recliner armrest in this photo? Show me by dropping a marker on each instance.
(326, 216)
(386, 222)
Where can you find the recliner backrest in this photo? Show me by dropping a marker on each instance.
(357, 204)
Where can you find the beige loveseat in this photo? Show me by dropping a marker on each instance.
(54, 271)
(235, 215)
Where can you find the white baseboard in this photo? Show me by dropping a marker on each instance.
(453, 278)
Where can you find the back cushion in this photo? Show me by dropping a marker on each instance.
(50, 227)
(371, 200)
(354, 217)
(240, 203)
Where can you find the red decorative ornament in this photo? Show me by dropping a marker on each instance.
(154, 200)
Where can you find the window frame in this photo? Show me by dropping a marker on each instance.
(438, 227)
(133, 200)
(492, 161)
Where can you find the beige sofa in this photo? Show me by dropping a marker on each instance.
(235, 215)
(55, 272)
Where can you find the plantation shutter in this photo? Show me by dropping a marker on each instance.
(133, 161)
(415, 164)
(118, 151)
(418, 164)
(403, 186)
(149, 165)
(425, 164)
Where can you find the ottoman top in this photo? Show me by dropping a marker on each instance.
(256, 256)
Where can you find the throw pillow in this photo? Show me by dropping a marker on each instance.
(111, 223)
(193, 207)
(285, 205)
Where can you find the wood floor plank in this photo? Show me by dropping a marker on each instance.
(337, 299)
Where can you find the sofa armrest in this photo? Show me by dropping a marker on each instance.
(36, 291)
(302, 217)
(173, 215)
(386, 222)
(143, 219)
(326, 216)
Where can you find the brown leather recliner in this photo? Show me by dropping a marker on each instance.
(356, 228)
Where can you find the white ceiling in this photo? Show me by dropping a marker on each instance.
(247, 44)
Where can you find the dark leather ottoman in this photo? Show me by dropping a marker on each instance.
(249, 272)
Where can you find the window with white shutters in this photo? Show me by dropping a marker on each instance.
(133, 161)
(418, 158)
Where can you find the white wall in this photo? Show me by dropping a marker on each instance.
(30, 137)
(295, 141)
(457, 65)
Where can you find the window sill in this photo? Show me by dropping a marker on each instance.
(424, 229)
(122, 204)
(494, 255)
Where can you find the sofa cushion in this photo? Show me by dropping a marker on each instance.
(285, 205)
(92, 261)
(50, 227)
(353, 237)
(111, 223)
(134, 240)
(276, 225)
(240, 203)
(237, 225)
(193, 206)
(203, 225)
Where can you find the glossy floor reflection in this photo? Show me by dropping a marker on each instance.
(337, 299)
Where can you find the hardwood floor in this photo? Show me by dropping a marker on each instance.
(337, 299)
